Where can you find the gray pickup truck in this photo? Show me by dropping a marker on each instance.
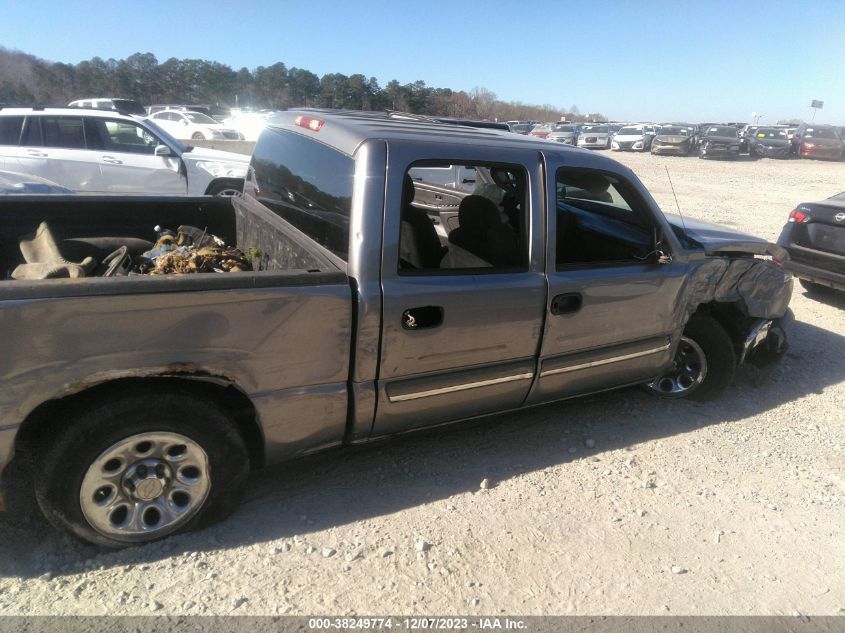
(408, 274)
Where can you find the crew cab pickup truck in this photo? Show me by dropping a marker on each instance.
(383, 301)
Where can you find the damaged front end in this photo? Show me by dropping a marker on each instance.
(741, 279)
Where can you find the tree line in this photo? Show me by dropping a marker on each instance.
(26, 79)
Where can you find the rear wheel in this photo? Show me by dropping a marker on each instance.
(704, 362)
(140, 467)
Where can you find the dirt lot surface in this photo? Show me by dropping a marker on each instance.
(618, 503)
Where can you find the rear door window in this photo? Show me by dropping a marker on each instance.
(63, 132)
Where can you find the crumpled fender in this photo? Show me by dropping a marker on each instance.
(760, 288)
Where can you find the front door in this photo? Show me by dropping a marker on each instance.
(612, 296)
(462, 312)
(129, 164)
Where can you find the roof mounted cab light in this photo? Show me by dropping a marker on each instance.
(797, 216)
(309, 123)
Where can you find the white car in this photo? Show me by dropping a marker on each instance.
(97, 151)
(633, 137)
(248, 124)
(595, 137)
(195, 126)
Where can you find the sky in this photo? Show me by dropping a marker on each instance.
(692, 60)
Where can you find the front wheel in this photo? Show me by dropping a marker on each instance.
(139, 467)
(226, 188)
(198, 136)
(703, 365)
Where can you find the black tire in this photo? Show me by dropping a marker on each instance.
(719, 355)
(92, 429)
(198, 136)
(226, 188)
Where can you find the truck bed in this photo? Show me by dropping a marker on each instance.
(279, 335)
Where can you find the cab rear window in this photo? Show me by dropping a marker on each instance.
(306, 183)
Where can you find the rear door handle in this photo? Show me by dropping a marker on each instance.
(35, 152)
(422, 317)
(112, 160)
(567, 303)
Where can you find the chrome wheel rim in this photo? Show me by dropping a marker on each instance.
(145, 486)
(687, 373)
(228, 192)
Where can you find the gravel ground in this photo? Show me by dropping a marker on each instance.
(612, 504)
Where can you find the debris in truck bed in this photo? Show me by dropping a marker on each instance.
(190, 250)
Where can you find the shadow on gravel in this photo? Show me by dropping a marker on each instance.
(349, 485)
(828, 296)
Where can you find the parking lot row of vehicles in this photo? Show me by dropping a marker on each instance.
(707, 140)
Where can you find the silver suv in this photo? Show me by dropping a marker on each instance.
(98, 151)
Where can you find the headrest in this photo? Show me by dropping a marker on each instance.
(478, 213)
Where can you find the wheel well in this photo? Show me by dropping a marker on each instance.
(236, 182)
(38, 425)
(731, 318)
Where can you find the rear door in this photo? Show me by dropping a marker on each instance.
(611, 314)
(462, 314)
(54, 147)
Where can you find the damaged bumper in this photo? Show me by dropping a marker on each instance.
(767, 340)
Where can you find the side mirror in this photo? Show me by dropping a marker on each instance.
(162, 150)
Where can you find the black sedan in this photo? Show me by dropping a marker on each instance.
(719, 141)
(772, 142)
(814, 236)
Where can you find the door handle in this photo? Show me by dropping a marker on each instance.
(422, 317)
(35, 152)
(112, 161)
(567, 303)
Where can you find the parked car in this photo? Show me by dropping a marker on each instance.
(564, 133)
(124, 106)
(817, 141)
(674, 139)
(542, 130)
(145, 408)
(771, 142)
(719, 141)
(595, 136)
(633, 137)
(521, 128)
(100, 151)
(814, 237)
(12, 182)
(194, 125)
(745, 135)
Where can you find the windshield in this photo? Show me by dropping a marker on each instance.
(674, 130)
(631, 131)
(167, 138)
(596, 129)
(820, 132)
(721, 131)
(522, 127)
(771, 133)
(563, 128)
(196, 117)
